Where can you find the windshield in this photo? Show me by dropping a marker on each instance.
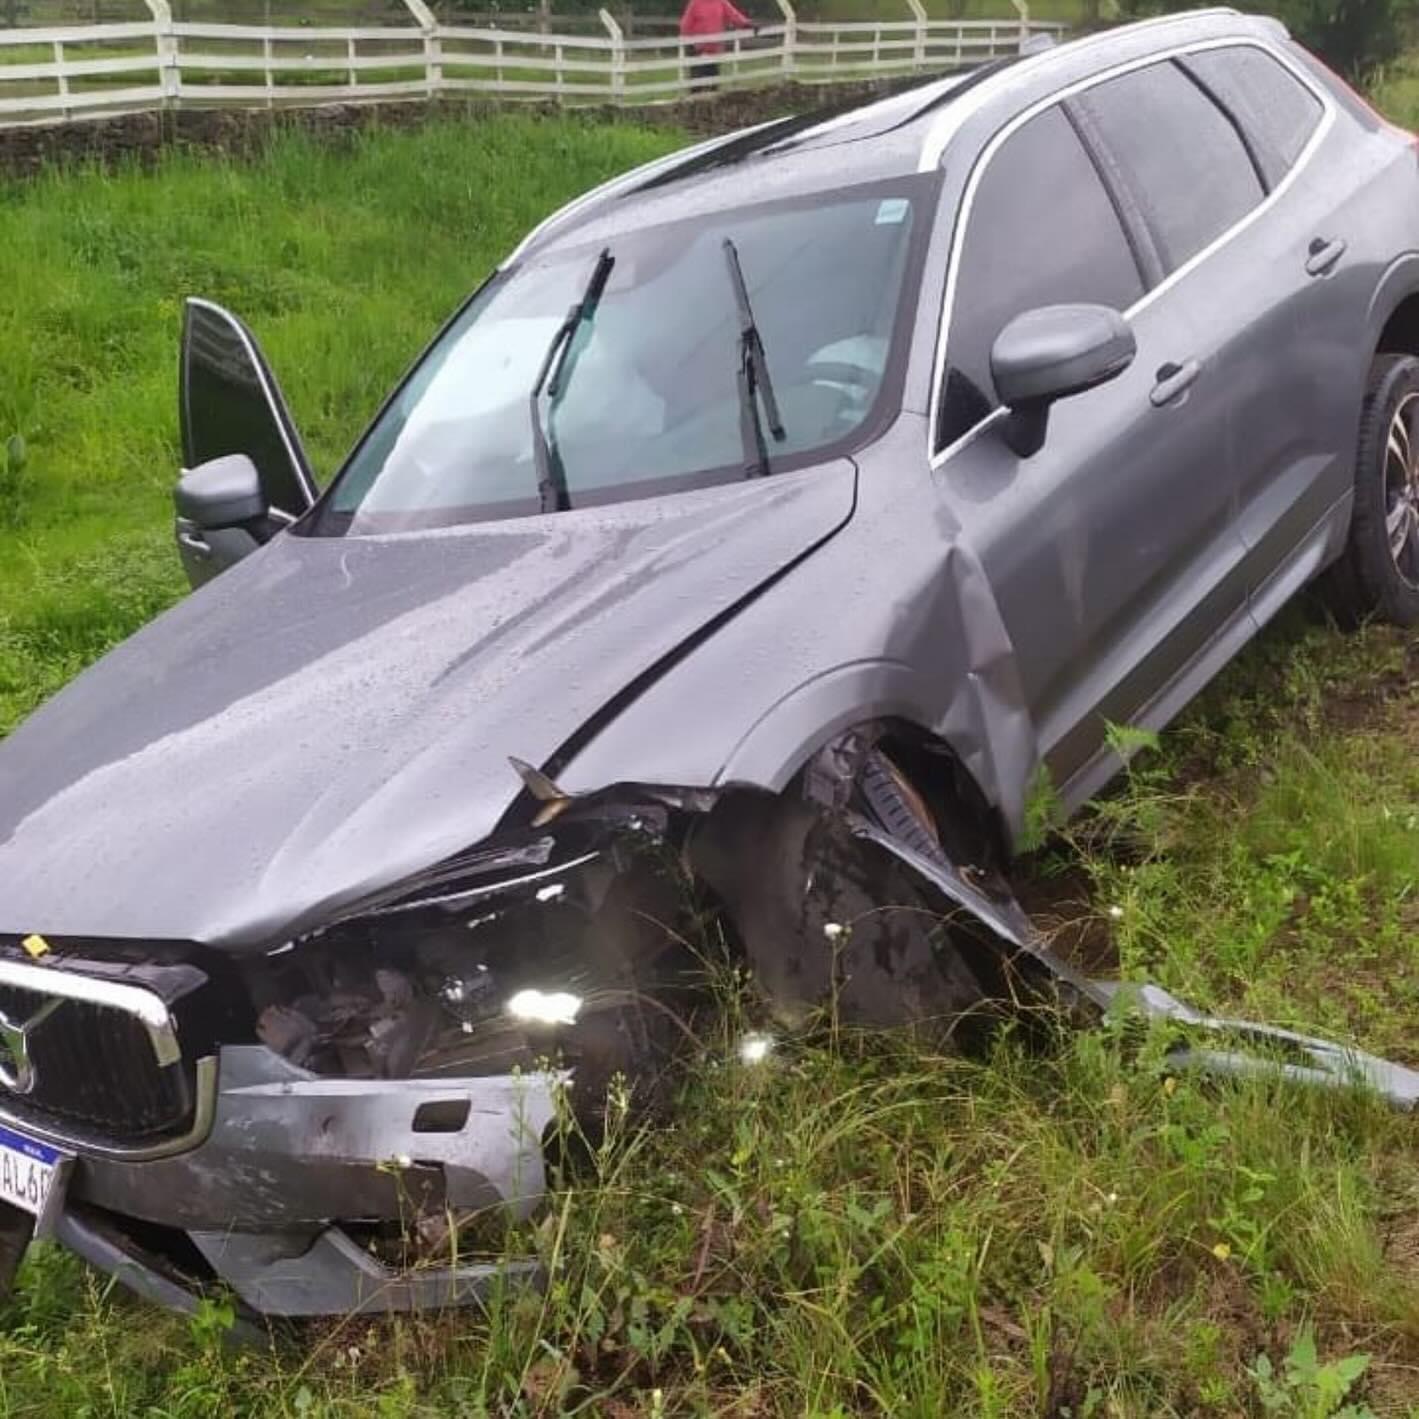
(650, 400)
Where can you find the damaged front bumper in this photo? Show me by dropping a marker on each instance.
(278, 1199)
(384, 1104)
(348, 1122)
(285, 1152)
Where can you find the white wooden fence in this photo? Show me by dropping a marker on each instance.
(61, 73)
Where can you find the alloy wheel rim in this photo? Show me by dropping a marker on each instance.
(1401, 484)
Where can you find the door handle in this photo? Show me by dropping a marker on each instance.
(1322, 255)
(1174, 381)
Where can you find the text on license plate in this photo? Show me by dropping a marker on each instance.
(27, 1170)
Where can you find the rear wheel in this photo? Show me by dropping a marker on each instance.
(1379, 572)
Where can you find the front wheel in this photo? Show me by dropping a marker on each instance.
(1379, 571)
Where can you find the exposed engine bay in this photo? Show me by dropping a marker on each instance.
(569, 947)
(594, 937)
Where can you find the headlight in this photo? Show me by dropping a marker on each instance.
(545, 1007)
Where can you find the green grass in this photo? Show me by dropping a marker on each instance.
(859, 1230)
(1301, 837)
(858, 1226)
(1398, 92)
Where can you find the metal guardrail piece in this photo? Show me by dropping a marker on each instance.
(1267, 1051)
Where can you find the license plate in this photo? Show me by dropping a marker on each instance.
(31, 1174)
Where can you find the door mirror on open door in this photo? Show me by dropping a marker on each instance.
(222, 515)
(239, 445)
(1050, 353)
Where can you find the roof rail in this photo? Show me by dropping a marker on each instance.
(1214, 12)
(1211, 12)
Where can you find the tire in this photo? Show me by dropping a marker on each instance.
(1378, 574)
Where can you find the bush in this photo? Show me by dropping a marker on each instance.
(1355, 37)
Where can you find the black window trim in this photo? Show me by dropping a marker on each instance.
(1138, 204)
(1128, 208)
(1299, 75)
(1163, 287)
(1240, 128)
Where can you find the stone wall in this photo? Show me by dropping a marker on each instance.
(141, 136)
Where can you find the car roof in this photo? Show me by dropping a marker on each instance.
(834, 148)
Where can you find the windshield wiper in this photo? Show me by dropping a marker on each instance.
(754, 381)
(558, 363)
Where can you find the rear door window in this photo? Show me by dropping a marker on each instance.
(1179, 152)
(1276, 111)
(1040, 231)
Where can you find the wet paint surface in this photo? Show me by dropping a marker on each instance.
(332, 715)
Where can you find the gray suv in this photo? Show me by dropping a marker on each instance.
(747, 548)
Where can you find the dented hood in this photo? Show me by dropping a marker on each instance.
(333, 715)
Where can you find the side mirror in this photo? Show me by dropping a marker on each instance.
(1050, 353)
(222, 515)
(231, 407)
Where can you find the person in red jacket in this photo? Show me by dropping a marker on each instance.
(710, 17)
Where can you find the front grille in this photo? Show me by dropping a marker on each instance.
(95, 1072)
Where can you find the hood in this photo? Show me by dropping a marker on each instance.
(333, 715)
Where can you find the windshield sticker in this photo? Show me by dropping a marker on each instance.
(891, 211)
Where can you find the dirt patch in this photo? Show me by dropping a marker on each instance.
(1059, 899)
(1392, 1386)
(1383, 701)
(1400, 716)
(142, 136)
(1402, 1245)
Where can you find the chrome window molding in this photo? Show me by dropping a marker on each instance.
(998, 140)
(136, 1000)
(91, 1145)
